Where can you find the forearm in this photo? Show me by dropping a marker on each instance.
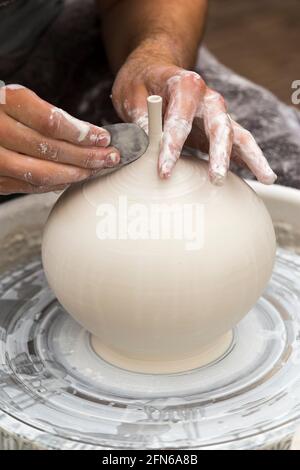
(166, 30)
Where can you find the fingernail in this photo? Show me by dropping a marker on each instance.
(103, 140)
(274, 177)
(269, 177)
(218, 177)
(112, 159)
(166, 169)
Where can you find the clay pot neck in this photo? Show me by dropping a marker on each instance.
(155, 124)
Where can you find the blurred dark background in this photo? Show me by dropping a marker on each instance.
(259, 39)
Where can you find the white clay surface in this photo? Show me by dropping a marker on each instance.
(154, 305)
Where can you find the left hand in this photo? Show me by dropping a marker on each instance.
(193, 114)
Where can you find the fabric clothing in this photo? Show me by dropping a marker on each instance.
(22, 22)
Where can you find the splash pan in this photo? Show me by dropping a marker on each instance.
(55, 392)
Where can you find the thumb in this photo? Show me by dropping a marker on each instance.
(134, 108)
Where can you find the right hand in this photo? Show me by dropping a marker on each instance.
(42, 148)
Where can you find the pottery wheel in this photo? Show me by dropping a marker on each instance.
(55, 392)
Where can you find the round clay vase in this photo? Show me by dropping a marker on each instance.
(159, 271)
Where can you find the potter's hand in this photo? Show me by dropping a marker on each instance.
(193, 113)
(42, 148)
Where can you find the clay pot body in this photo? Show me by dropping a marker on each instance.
(159, 294)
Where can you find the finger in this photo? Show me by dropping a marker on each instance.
(38, 173)
(14, 186)
(17, 137)
(184, 91)
(246, 148)
(220, 134)
(26, 107)
(134, 109)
